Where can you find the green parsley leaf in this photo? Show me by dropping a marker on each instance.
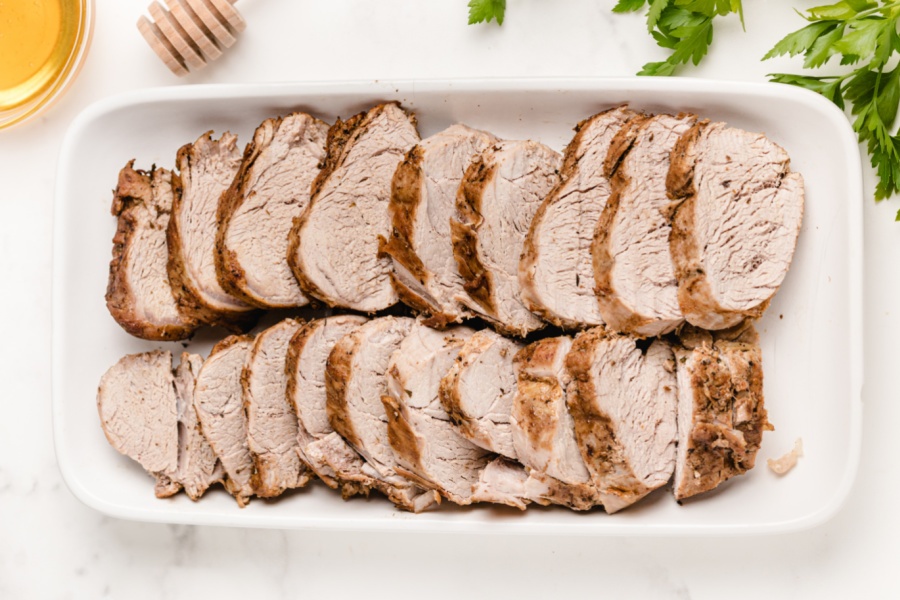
(865, 33)
(683, 26)
(629, 6)
(483, 11)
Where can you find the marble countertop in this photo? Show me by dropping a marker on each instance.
(54, 547)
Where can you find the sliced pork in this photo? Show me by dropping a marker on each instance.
(478, 390)
(198, 465)
(270, 190)
(721, 414)
(622, 401)
(218, 397)
(556, 272)
(206, 169)
(307, 356)
(635, 279)
(139, 295)
(423, 200)
(334, 244)
(498, 197)
(272, 425)
(428, 447)
(355, 381)
(341, 467)
(543, 431)
(138, 412)
(736, 226)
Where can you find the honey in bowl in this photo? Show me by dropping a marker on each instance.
(42, 45)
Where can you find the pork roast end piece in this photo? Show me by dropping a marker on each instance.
(423, 201)
(623, 402)
(635, 280)
(721, 414)
(497, 199)
(198, 465)
(478, 390)
(334, 244)
(218, 397)
(138, 413)
(139, 296)
(543, 431)
(556, 271)
(272, 426)
(255, 215)
(736, 225)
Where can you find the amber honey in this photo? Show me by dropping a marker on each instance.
(41, 43)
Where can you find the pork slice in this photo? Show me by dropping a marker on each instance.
(341, 467)
(497, 199)
(198, 465)
(721, 414)
(355, 381)
(270, 189)
(739, 211)
(334, 244)
(139, 295)
(423, 200)
(556, 272)
(428, 447)
(272, 425)
(138, 411)
(307, 356)
(622, 401)
(478, 390)
(636, 286)
(502, 481)
(218, 397)
(206, 169)
(543, 431)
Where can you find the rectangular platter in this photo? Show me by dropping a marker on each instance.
(811, 335)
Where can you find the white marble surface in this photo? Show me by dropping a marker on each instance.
(51, 546)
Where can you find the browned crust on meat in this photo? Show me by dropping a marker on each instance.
(478, 281)
(229, 272)
(539, 418)
(261, 462)
(228, 342)
(528, 263)
(188, 299)
(730, 416)
(341, 136)
(595, 431)
(401, 436)
(450, 398)
(613, 309)
(337, 374)
(295, 349)
(680, 178)
(578, 496)
(695, 296)
(134, 187)
(406, 196)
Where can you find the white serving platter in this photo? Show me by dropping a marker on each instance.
(811, 334)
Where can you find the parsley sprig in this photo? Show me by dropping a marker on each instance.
(683, 26)
(865, 33)
(483, 11)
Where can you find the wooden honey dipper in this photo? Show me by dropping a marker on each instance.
(191, 32)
